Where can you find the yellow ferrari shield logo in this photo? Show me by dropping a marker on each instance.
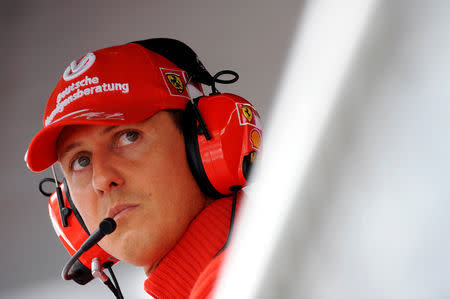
(176, 82)
(247, 113)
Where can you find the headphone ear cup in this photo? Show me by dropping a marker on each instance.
(191, 131)
(72, 206)
(226, 159)
(73, 235)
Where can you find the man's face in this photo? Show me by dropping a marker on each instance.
(137, 174)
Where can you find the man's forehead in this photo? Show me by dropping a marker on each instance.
(73, 135)
(73, 131)
(70, 136)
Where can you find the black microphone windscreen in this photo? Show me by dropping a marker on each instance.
(107, 226)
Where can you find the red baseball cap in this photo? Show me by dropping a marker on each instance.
(112, 86)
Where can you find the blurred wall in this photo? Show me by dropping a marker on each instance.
(370, 218)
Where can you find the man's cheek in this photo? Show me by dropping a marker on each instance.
(87, 212)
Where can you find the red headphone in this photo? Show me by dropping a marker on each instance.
(72, 232)
(221, 142)
(222, 136)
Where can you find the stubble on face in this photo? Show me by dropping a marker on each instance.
(153, 173)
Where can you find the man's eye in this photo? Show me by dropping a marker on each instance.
(128, 137)
(81, 162)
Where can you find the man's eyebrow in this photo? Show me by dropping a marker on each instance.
(108, 129)
(69, 148)
(77, 144)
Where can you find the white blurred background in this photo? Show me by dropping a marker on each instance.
(370, 216)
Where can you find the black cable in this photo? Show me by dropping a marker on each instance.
(106, 227)
(41, 188)
(235, 190)
(223, 81)
(113, 286)
(201, 121)
(110, 285)
(115, 282)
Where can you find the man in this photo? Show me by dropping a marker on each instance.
(115, 124)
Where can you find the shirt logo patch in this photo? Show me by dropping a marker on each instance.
(76, 69)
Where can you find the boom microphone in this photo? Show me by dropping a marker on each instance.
(107, 226)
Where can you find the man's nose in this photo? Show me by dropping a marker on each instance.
(105, 174)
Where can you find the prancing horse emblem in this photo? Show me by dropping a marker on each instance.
(176, 82)
(247, 113)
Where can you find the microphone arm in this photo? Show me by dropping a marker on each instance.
(107, 226)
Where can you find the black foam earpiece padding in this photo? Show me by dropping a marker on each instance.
(193, 154)
(181, 55)
(73, 207)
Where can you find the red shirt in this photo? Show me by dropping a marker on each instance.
(190, 269)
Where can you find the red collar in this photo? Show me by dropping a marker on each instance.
(178, 271)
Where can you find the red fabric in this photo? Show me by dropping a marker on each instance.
(191, 262)
(204, 286)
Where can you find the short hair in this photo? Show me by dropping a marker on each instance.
(177, 117)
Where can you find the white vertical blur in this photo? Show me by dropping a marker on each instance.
(328, 35)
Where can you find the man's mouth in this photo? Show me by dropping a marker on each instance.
(121, 210)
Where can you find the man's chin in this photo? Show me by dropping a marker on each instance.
(149, 269)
